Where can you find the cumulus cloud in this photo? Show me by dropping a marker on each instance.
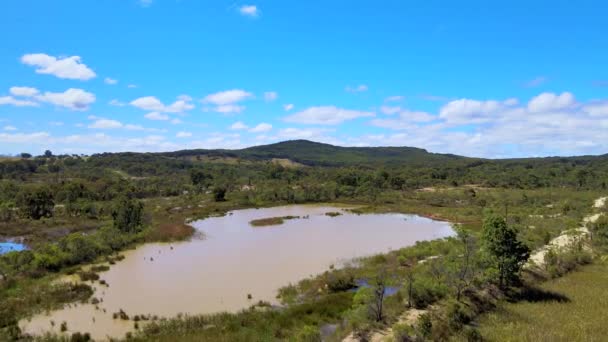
(472, 111)
(156, 116)
(68, 67)
(597, 108)
(227, 97)
(261, 128)
(357, 89)
(74, 99)
(288, 107)
(23, 91)
(110, 81)
(152, 103)
(406, 119)
(239, 125)
(117, 103)
(227, 101)
(9, 100)
(9, 128)
(326, 115)
(249, 11)
(550, 101)
(270, 96)
(106, 124)
(183, 135)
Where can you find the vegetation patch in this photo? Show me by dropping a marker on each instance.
(272, 221)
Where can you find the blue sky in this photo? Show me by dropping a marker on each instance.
(479, 78)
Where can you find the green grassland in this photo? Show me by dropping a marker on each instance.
(574, 308)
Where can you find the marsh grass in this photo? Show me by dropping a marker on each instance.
(272, 221)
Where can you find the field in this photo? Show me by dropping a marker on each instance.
(575, 309)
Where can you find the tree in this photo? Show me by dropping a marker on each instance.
(219, 193)
(505, 253)
(25, 155)
(200, 179)
(35, 204)
(462, 270)
(48, 153)
(127, 214)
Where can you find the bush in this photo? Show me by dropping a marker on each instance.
(340, 281)
(426, 291)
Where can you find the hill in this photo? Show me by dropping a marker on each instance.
(318, 154)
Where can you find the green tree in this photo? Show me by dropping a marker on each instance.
(505, 253)
(200, 178)
(35, 204)
(219, 193)
(127, 214)
(461, 268)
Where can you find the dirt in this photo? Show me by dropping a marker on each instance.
(567, 238)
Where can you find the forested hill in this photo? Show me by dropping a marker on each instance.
(319, 154)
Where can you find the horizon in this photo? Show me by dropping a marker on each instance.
(470, 78)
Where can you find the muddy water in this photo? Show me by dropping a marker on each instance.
(234, 260)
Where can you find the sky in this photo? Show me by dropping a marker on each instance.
(475, 78)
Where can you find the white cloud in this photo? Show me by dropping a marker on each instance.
(270, 96)
(261, 128)
(176, 121)
(9, 128)
(239, 125)
(226, 102)
(390, 110)
(598, 108)
(145, 3)
(106, 124)
(156, 116)
(9, 100)
(406, 119)
(24, 138)
(116, 103)
(551, 101)
(68, 67)
(148, 103)
(74, 99)
(183, 135)
(326, 115)
(395, 98)
(110, 81)
(288, 107)
(472, 111)
(132, 86)
(358, 89)
(228, 109)
(249, 10)
(227, 97)
(23, 91)
(152, 103)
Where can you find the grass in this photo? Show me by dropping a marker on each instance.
(271, 221)
(574, 309)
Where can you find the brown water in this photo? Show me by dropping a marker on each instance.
(234, 260)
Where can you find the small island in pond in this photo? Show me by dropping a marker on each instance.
(271, 221)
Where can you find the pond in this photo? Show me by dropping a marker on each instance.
(235, 260)
(8, 246)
